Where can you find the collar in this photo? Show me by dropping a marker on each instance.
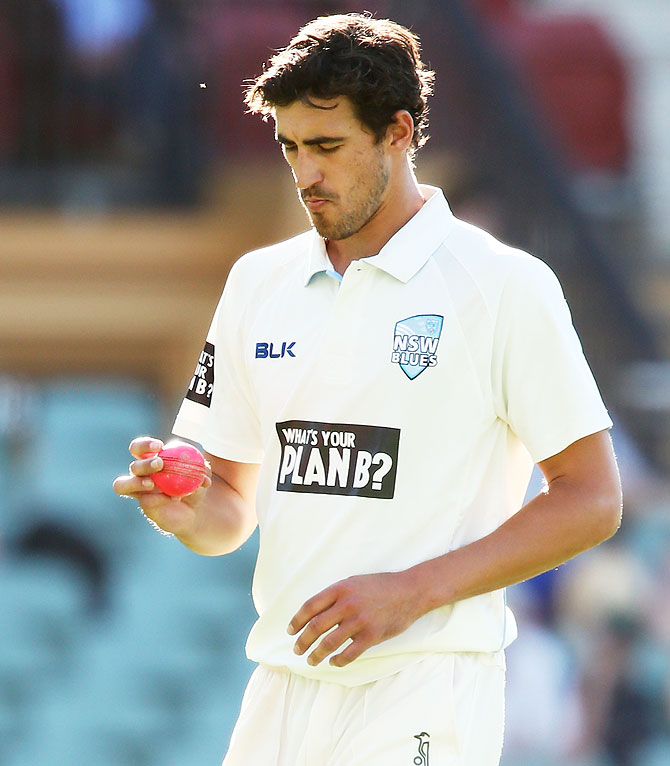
(318, 261)
(407, 250)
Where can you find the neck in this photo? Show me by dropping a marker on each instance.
(404, 200)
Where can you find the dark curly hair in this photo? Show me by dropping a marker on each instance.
(374, 62)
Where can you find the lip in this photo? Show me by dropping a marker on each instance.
(315, 204)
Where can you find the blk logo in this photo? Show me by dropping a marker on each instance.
(274, 351)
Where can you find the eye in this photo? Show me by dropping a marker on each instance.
(286, 148)
(329, 149)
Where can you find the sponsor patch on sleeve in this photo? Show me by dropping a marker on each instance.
(202, 382)
(337, 459)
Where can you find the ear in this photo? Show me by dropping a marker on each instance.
(400, 131)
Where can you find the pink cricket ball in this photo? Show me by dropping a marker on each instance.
(183, 469)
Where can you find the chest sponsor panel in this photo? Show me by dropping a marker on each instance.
(337, 458)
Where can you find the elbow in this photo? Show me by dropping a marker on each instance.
(607, 513)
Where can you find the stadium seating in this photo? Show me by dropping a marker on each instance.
(154, 672)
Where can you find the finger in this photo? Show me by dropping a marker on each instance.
(352, 652)
(145, 445)
(146, 466)
(152, 502)
(315, 628)
(328, 644)
(317, 604)
(131, 486)
(136, 485)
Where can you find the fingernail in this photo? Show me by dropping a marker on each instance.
(290, 630)
(154, 446)
(156, 463)
(147, 483)
(296, 649)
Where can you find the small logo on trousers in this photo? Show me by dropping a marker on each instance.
(424, 744)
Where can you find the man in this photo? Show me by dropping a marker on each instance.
(375, 393)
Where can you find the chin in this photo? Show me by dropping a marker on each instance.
(327, 232)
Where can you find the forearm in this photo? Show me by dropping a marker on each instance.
(223, 521)
(581, 508)
(550, 529)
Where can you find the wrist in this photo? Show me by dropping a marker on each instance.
(430, 584)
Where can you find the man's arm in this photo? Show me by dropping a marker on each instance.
(216, 519)
(580, 508)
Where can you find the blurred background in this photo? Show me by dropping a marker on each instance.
(131, 180)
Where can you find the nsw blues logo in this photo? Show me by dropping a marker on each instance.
(415, 343)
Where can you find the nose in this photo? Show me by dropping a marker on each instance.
(306, 171)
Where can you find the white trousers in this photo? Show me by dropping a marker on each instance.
(444, 710)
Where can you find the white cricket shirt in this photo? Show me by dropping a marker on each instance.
(396, 416)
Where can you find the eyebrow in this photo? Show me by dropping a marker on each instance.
(312, 141)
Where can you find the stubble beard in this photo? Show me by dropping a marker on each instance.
(352, 221)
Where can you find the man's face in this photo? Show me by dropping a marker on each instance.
(341, 172)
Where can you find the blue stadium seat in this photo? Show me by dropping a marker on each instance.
(42, 608)
(80, 446)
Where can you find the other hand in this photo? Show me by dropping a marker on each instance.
(171, 514)
(365, 610)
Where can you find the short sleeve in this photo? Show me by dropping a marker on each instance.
(219, 410)
(542, 384)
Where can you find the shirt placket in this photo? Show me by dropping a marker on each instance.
(342, 341)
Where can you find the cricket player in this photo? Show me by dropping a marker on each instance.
(373, 394)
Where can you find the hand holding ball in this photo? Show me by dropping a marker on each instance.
(183, 469)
